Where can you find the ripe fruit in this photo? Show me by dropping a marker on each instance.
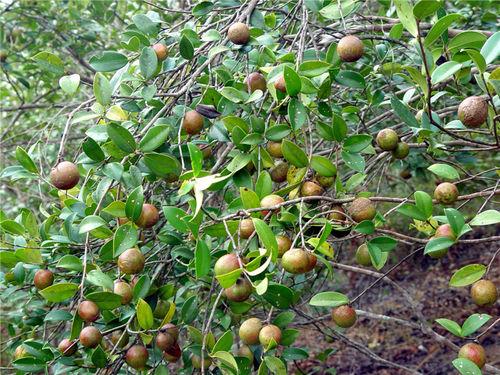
(279, 84)
(124, 290)
(131, 261)
(284, 244)
(344, 316)
(170, 329)
(350, 48)
(401, 151)
(446, 193)
(88, 311)
(238, 33)
(474, 353)
(226, 263)
(484, 293)
(338, 215)
(196, 361)
(274, 149)
(279, 173)
(270, 201)
(67, 347)
(192, 122)
(310, 189)
(149, 216)
(137, 357)
(297, 261)
(205, 149)
(249, 331)
(43, 279)
(120, 338)
(240, 291)
(167, 337)
(173, 354)
(473, 111)
(90, 337)
(445, 231)
(362, 209)
(246, 228)
(65, 175)
(161, 51)
(269, 333)
(324, 181)
(256, 81)
(363, 256)
(246, 352)
(387, 139)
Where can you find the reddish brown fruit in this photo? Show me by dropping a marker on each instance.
(238, 33)
(249, 331)
(473, 111)
(474, 353)
(256, 81)
(446, 193)
(65, 175)
(246, 228)
(284, 244)
(484, 293)
(350, 48)
(88, 311)
(226, 263)
(170, 329)
(274, 149)
(310, 189)
(240, 291)
(124, 290)
(90, 337)
(270, 201)
(344, 316)
(137, 357)
(43, 279)
(67, 347)
(387, 139)
(279, 172)
(173, 354)
(362, 209)
(161, 51)
(297, 261)
(192, 122)
(269, 333)
(131, 261)
(279, 84)
(149, 216)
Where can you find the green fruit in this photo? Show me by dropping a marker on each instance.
(350, 48)
(344, 316)
(284, 244)
(269, 333)
(256, 81)
(137, 356)
(473, 111)
(238, 33)
(67, 347)
(274, 149)
(310, 189)
(387, 139)
(131, 261)
(124, 290)
(279, 172)
(240, 291)
(484, 293)
(196, 361)
(226, 263)
(474, 353)
(192, 122)
(324, 181)
(363, 256)
(149, 216)
(90, 337)
(362, 209)
(249, 331)
(246, 352)
(446, 193)
(43, 279)
(405, 173)
(298, 261)
(401, 151)
(65, 175)
(120, 338)
(337, 214)
(88, 311)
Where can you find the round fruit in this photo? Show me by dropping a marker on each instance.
(246, 228)
(120, 338)
(196, 361)
(226, 263)
(405, 173)
(192, 122)
(90, 337)
(43, 279)
(205, 149)
(270, 201)
(240, 291)
(279, 84)
(164, 341)
(124, 290)
(137, 357)
(88, 311)
(474, 353)
(324, 181)
(149, 216)
(67, 347)
(296, 261)
(170, 329)
(65, 175)
(387, 139)
(446, 193)
(419, 114)
(274, 149)
(161, 51)
(401, 151)
(173, 354)
(284, 244)
(473, 111)
(131, 261)
(279, 173)
(269, 333)
(3, 55)
(256, 81)
(20, 352)
(445, 231)
(362, 209)
(246, 352)
(338, 214)
(313, 260)
(310, 189)
(363, 256)
(484, 293)
(344, 316)
(249, 331)
(238, 33)
(350, 48)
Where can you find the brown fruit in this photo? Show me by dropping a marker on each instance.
(387, 139)
(344, 316)
(67, 347)
(274, 149)
(446, 193)
(167, 337)
(131, 261)
(149, 216)
(246, 352)
(278, 173)
(484, 293)
(279, 84)
(3, 55)
(192, 122)
(256, 81)
(405, 173)
(270, 201)
(296, 261)
(161, 51)
(238, 33)
(88, 311)
(137, 357)
(269, 333)
(350, 48)
(90, 337)
(124, 290)
(474, 353)
(240, 291)
(196, 361)
(226, 263)
(170, 329)
(363, 256)
(205, 149)
(249, 331)
(324, 181)
(313, 260)
(43, 279)
(173, 354)
(246, 228)
(120, 338)
(65, 175)
(338, 215)
(284, 244)
(401, 151)
(362, 209)
(473, 111)
(310, 189)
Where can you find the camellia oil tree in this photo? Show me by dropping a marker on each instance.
(186, 181)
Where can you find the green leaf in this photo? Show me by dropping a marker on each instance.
(329, 299)
(144, 314)
(467, 39)
(266, 237)
(357, 143)
(58, 316)
(70, 262)
(234, 95)
(93, 150)
(116, 209)
(323, 166)
(384, 243)
(148, 62)
(450, 326)
(467, 275)
(29, 256)
(405, 15)
(425, 8)
(339, 9)
(162, 165)
(279, 295)
(487, 217)
(263, 187)
(154, 138)
(478, 59)
(444, 171)
(350, 78)
(491, 49)
(440, 27)
(90, 223)
(292, 81)
(226, 358)
(59, 292)
(466, 367)
(49, 62)
(25, 160)
(196, 159)
(277, 132)
(437, 244)
(99, 278)
(202, 259)
(109, 61)
(228, 279)
(133, 206)
(423, 201)
(294, 154)
(354, 161)
(313, 68)
(99, 358)
(297, 113)
(473, 323)
(186, 48)
(102, 89)
(445, 71)
(105, 300)
(121, 137)
(365, 227)
(455, 219)
(12, 226)
(404, 113)
(125, 237)
(275, 365)
(224, 343)
(145, 24)
(69, 84)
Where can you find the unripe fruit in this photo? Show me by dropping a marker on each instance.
(137, 357)
(43, 279)
(338, 215)
(161, 51)
(274, 149)
(363, 256)
(344, 316)
(279, 84)
(405, 173)
(362, 209)
(246, 352)
(88, 311)
(249, 331)
(256, 81)
(173, 354)
(446, 193)
(419, 114)
(350, 48)
(238, 33)
(65, 175)
(90, 337)
(131, 261)
(473, 111)
(284, 244)
(269, 333)
(3, 56)
(324, 181)
(192, 122)
(387, 139)
(474, 353)
(240, 291)
(279, 173)
(67, 347)
(270, 201)
(310, 189)
(401, 151)
(149, 216)
(246, 228)
(120, 338)
(445, 230)
(297, 261)
(226, 263)
(124, 290)
(196, 361)
(20, 352)
(484, 293)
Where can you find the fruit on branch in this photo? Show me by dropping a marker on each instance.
(387, 139)
(90, 337)
(65, 175)
(270, 201)
(88, 311)
(405, 174)
(325, 181)
(418, 115)
(484, 293)
(473, 111)
(173, 354)
(474, 353)
(446, 193)
(170, 329)
(279, 172)
(149, 216)
(298, 261)
(401, 151)
(161, 51)
(344, 316)
(269, 333)
(445, 230)
(167, 337)
(20, 352)
(249, 331)
(362, 209)
(239, 291)
(192, 122)
(279, 84)
(350, 48)
(196, 361)
(131, 261)
(137, 357)
(205, 149)
(124, 290)
(338, 214)
(120, 338)
(274, 149)
(238, 33)
(246, 228)
(284, 244)
(363, 256)
(310, 189)
(43, 279)
(67, 347)
(246, 352)
(226, 263)
(3, 55)
(256, 81)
